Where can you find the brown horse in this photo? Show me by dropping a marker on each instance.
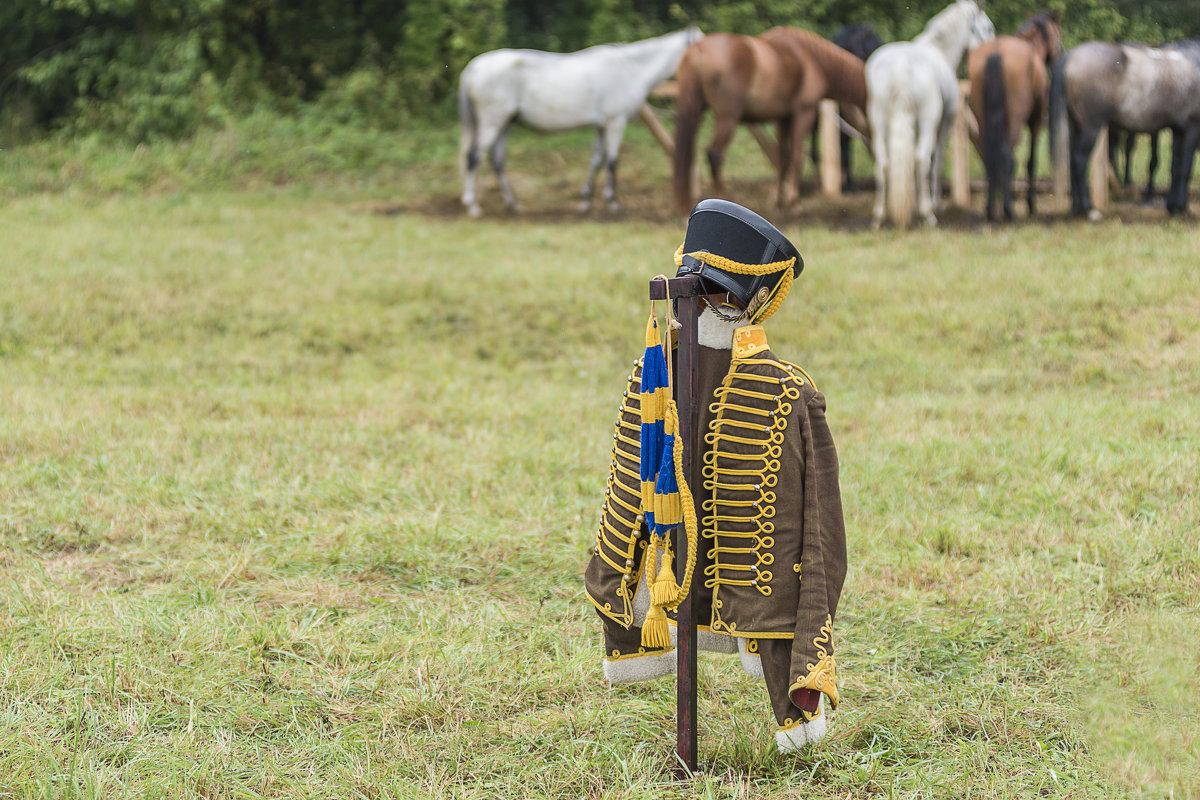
(1010, 90)
(777, 77)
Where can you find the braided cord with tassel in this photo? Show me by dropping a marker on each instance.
(673, 504)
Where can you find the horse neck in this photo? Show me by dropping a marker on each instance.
(1040, 36)
(659, 56)
(949, 34)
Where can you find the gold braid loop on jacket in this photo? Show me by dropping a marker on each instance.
(741, 470)
(618, 538)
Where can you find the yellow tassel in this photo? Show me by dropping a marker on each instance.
(655, 631)
(664, 590)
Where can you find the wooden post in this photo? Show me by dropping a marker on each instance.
(960, 153)
(831, 149)
(646, 113)
(1098, 171)
(687, 289)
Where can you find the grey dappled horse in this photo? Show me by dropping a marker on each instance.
(1140, 89)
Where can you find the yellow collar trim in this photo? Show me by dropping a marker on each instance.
(749, 340)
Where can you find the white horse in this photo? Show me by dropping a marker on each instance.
(912, 97)
(600, 87)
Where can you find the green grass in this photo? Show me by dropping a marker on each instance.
(295, 495)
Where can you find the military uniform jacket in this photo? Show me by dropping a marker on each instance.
(772, 551)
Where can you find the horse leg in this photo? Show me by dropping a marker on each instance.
(497, 157)
(613, 133)
(481, 141)
(789, 136)
(470, 175)
(803, 122)
(879, 150)
(1148, 197)
(1183, 154)
(1082, 141)
(585, 199)
(930, 139)
(847, 171)
(1031, 167)
(723, 130)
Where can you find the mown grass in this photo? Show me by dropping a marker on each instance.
(295, 496)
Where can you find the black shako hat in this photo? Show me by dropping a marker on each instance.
(734, 250)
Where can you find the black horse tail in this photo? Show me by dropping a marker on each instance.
(1058, 115)
(994, 129)
(689, 105)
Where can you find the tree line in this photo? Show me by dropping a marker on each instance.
(151, 69)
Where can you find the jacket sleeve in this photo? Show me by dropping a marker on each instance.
(615, 569)
(823, 559)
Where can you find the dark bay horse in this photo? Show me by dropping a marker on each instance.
(1010, 90)
(777, 77)
(1141, 89)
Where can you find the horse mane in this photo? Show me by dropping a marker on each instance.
(843, 70)
(1041, 22)
(944, 32)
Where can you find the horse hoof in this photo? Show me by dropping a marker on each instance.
(931, 221)
(1094, 216)
(584, 207)
(875, 224)
(474, 212)
(614, 206)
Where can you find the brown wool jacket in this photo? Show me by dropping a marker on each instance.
(772, 554)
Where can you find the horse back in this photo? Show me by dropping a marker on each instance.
(1026, 82)
(911, 74)
(1141, 89)
(833, 71)
(743, 76)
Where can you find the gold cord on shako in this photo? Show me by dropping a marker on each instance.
(766, 306)
(666, 499)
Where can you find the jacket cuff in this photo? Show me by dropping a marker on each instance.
(821, 677)
(639, 667)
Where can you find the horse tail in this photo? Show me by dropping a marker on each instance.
(469, 122)
(1058, 114)
(689, 105)
(901, 146)
(994, 128)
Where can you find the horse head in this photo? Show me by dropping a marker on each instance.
(959, 27)
(981, 27)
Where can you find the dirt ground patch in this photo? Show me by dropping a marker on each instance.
(557, 202)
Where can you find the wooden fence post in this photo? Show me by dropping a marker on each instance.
(831, 149)
(960, 151)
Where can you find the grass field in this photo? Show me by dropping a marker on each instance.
(298, 471)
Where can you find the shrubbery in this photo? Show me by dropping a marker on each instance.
(142, 70)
